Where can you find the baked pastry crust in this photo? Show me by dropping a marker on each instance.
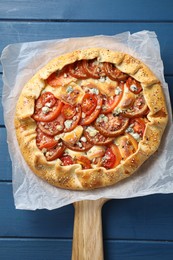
(73, 176)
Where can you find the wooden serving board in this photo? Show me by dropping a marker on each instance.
(87, 233)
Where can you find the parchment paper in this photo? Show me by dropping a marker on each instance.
(21, 61)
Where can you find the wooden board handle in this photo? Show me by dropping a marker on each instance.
(87, 234)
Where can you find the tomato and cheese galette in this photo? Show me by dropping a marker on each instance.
(90, 118)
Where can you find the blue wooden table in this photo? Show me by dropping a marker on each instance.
(133, 229)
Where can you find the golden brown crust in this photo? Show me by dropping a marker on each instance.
(73, 176)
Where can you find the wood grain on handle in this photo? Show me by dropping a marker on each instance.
(87, 234)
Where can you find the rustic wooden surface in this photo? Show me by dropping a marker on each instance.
(133, 229)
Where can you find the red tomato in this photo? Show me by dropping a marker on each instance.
(68, 111)
(90, 118)
(138, 125)
(98, 139)
(53, 127)
(111, 125)
(89, 103)
(80, 146)
(55, 152)
(138, 108)
(46, 97)
(44, 141)
(93, 68)
(76, 70)
(133, 85)
(51, 113)
(59, 78)
(112, 157)
(74, 121)
(84, 161)
(66, 160)
(110, 103)
(113, 72)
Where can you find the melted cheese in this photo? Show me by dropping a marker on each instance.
(72, 93)
(73, 136)
(96, 151)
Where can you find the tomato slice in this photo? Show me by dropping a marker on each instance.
(112, 157)
(70, 124)
(84, 161)
(110, 103)
(46, 98)
(44, 141)
(138, 125)
(133, 85)
(98, 138)
(46, 114)
(111, 125)
(88, 119)
(93, 68)
(138, 108)
(66, 160)
(80, 146)
(55, 152)
(113, 72)
(68, 111)
(53, 127)
(60, 78)
(89, 103)
(76, 70)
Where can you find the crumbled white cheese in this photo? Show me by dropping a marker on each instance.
(117, 111)
(118, 90)
(83, 139)
(45, 110)
(133, 88)
(59, 127)
(102, 79)
(102, 118)
(69, 89)
(68, 123)
(94, 91)
(91, 131)
(136, 136)
(48, 104)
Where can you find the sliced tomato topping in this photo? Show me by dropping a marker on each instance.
(47, 107)
(46, 114)
(98, 138)
(89, 103)
(66, 160)
(80, 146)
(133, 85)
(55, 152)
(60, 78)
(110, 103)
(46, 98)
(88, 119)
(114, 73)
(138, 125)
(84, 161)
(70, 124)
(44, 141)
(76, 70)
(112, 157)
(138, 108)
(93, 68)
(68, 111)
(53, 127)
(111, 125)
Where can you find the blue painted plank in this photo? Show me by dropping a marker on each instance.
(88, 10)
(51, 249)
(14, 32)
(5, 161)
(144, 218)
